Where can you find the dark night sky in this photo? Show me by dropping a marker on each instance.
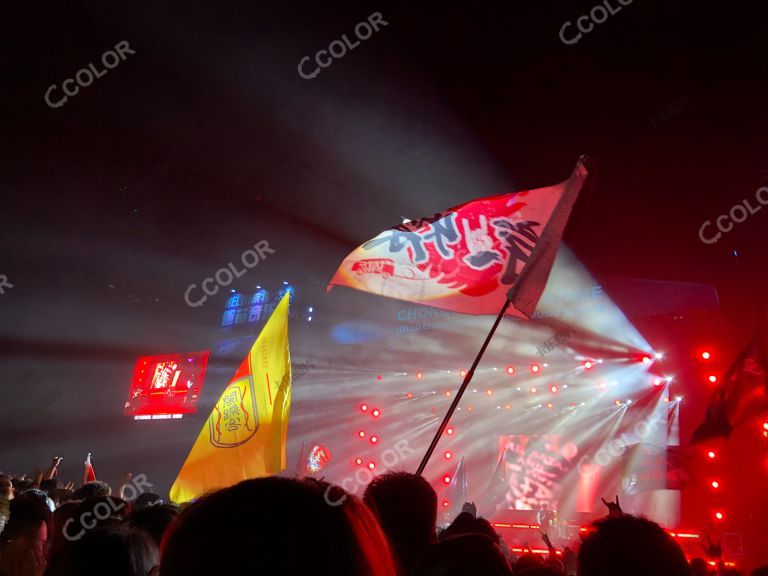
(206, 140)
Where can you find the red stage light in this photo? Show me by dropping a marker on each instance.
(602, 385)
(712, 378)
(361, 434)
(364, 408)
(533, 389)
(469, 408)
(448, 455)
(409, 395)
(446, 479)
(588, 364)
(617, 402)
(445, 503)
(645, 359)
(375, 413)
(358, 461)
(507, 406)
(463, 373)
(371, 465)
(510, 370)
(658, 381)
(489, 392)
(374, 439)
(711, 455)
(706, 355)
(719, 515)
(715, 484)
(535, 368)
(419, 375)
(448, 394)
(765, 425)
(549, 405)
(449, 430)
(553, 389)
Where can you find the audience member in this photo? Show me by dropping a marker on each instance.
(406, 507)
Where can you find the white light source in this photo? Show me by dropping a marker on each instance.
(659, 355)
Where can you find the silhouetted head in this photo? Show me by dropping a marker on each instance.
(24, 541)
(699, 567)
(465, 523)
(147, 499)
(473, 554)
(154, 520)
(93, 489)
(115, 550)
(630, 546)
(305, 527)
(406, 506)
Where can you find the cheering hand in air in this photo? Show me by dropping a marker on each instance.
(614, 508)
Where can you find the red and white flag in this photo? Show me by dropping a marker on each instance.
(469, 258)
(88, 474)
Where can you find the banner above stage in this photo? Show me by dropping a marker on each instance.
(469, 258)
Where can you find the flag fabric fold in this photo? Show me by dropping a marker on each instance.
(457, 492)
(89, 475)
(469, 258)
(498, 486)
(245, 434)
(741, 396)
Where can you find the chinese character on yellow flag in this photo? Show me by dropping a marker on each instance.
(244, 437)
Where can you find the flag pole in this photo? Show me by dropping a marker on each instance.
(460, 393)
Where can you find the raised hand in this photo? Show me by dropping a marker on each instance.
(124, 482)
(614, 508)
(470, 508)
(51, 472)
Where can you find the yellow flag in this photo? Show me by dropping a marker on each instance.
(244, 437)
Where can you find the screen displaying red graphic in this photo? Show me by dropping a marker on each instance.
(166, 386)
(537, 467)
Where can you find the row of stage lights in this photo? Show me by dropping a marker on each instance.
(374, 439)
(715, 485)
(535, 369)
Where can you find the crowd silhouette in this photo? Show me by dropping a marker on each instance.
(305, 526)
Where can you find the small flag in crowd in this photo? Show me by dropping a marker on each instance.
(472, 257)
(88, 474)
(742, 395)
(245, 435)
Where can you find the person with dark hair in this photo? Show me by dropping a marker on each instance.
(113, 550)
(300, 526)
(24, 542)
(474, 554)
(467, 522)
(93, 489)
(50, 486)
(93, 513)
(146, 499)
(406, 507)
(59, 540)
(154, 520)
(630, 546)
